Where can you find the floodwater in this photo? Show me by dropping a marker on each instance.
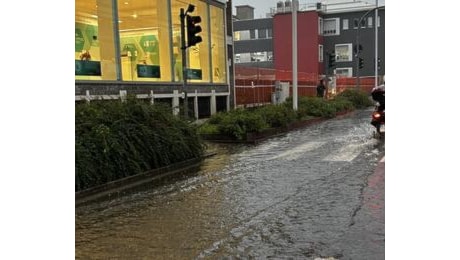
(309, 194)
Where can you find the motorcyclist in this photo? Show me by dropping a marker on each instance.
(378, 94)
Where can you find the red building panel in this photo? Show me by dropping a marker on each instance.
(308, 41)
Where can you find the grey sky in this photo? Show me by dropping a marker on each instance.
(261, 7)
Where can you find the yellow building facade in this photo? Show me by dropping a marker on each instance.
(124, 43)
(139, 40)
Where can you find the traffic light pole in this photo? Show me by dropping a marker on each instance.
(357, 55)
(184, 61)
(357, 44)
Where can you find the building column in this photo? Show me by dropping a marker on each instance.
(228, 103)
(213, 102)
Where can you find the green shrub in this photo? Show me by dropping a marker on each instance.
(318, 107)
(342, 104)
(216, 118)
(277, 115)
(239, 122)
(208, 128)
(359, 98)
(115, 140)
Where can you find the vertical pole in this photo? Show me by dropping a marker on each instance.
(195, 103)
(116, 39)
(357, 55)
(184, 61)
(376, 42)
(294, 55)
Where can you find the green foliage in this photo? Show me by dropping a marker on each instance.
(235, 123)
(342, 104)
(277, 115)
(115, 140)
(314, 106)
(208, 128)
(359, 98)
(238, 122)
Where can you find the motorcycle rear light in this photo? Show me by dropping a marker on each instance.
(376, 115)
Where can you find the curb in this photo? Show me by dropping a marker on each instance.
(119, 185)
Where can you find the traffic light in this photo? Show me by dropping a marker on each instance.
(378, 63)
(192, 30)
(357, 49)
(361, 63)
(332, 60)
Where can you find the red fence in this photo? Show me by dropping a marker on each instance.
(254, 86)
(365, 83)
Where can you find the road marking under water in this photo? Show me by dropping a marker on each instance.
(345, 154)
(297, 151)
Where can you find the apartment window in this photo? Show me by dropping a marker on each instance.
(331, 27)
(344, 72)
(269, 55)
(252, 34)
(320, 26)
(253, 57)
(363, 23)
(355, 23)
(343, 52)
(236, 36)
(269, 33)
(262, 33)
(241, 35)
(320, 53)
(237, 58)
(369, 22)
(345, 24)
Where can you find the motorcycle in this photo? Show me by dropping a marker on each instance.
(378, 116)
(378, 120)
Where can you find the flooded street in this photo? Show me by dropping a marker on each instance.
(311, 193)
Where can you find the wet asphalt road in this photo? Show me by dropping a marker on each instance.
(310, 194)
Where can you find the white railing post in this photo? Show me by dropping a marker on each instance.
(88, 96)
(123, 95)
(175, 102)
(152, 97)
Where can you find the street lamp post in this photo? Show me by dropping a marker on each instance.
(294, 55)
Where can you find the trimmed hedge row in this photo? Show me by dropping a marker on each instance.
(238, 123)
(116, 139)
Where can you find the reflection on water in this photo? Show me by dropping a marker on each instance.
(244, 202)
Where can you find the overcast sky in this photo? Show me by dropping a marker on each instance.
(261, 7)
